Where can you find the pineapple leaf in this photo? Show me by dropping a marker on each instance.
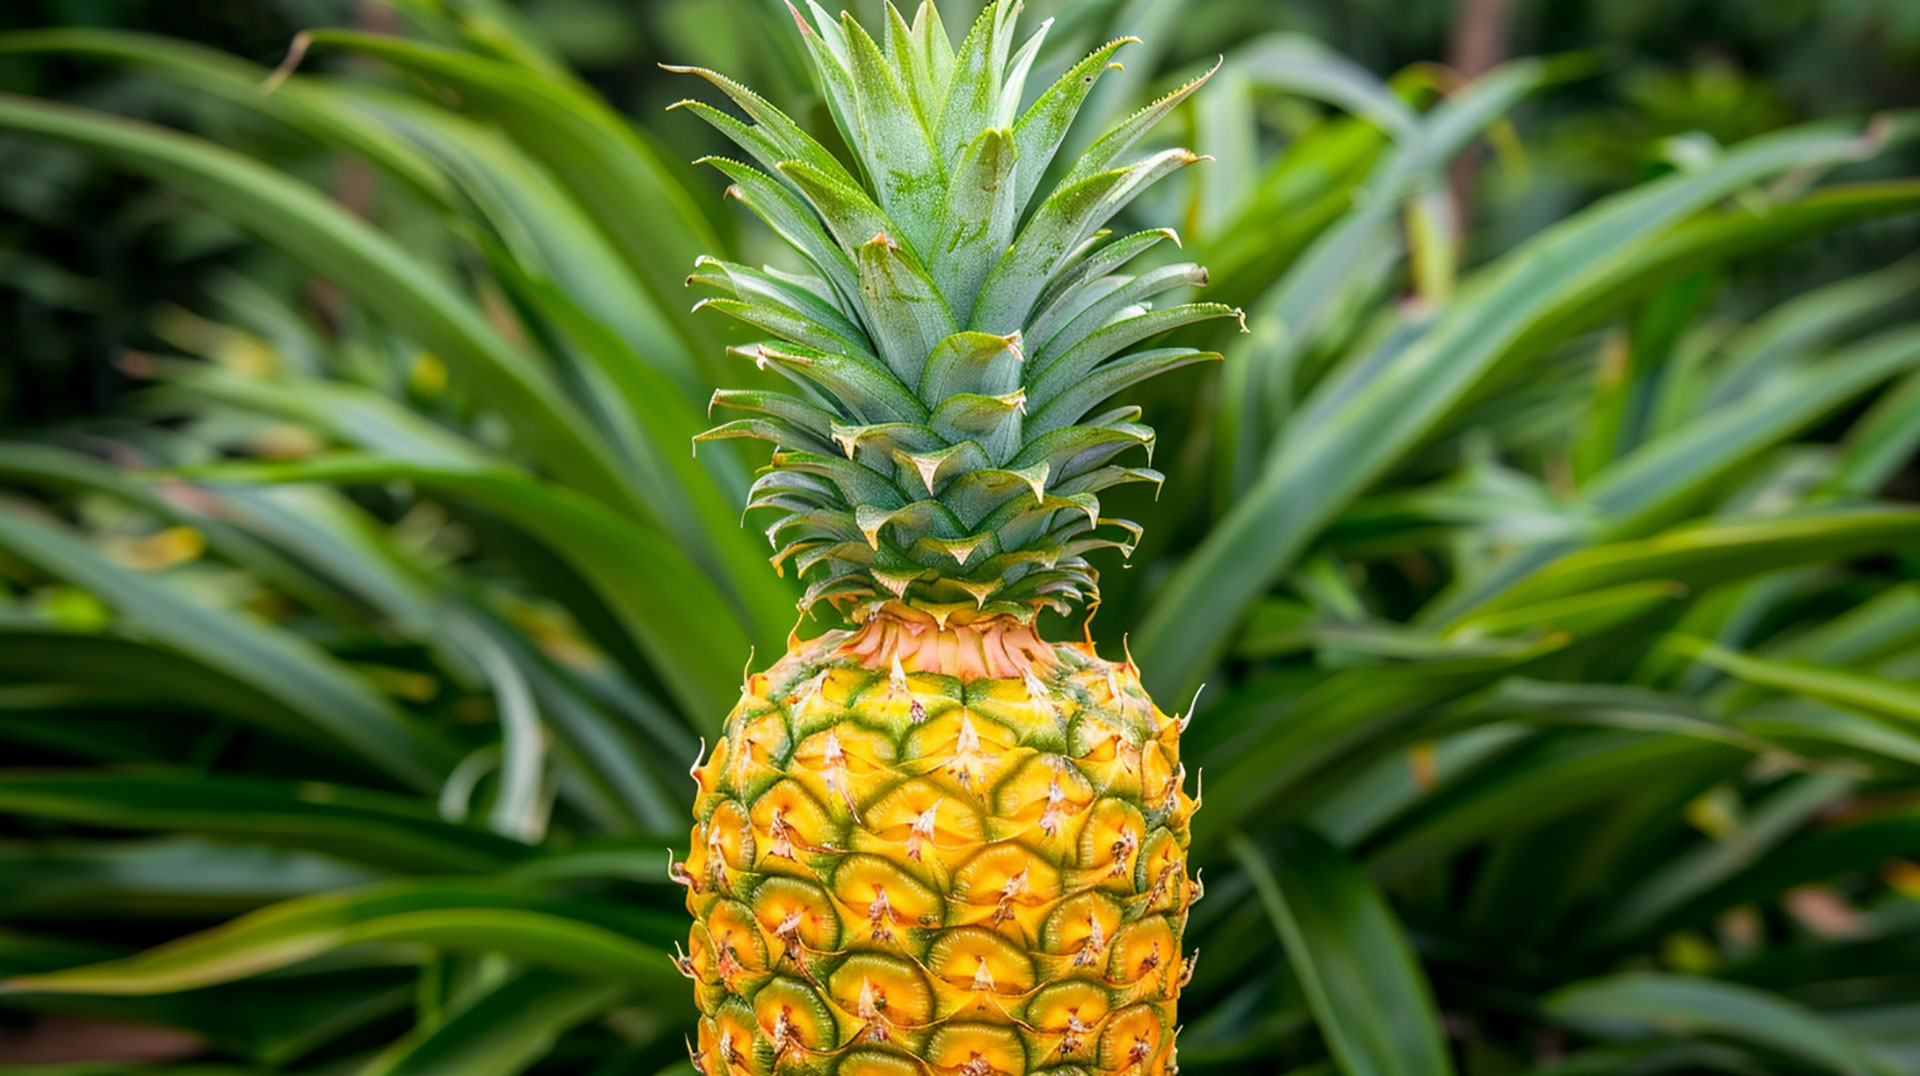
(973, 362)
(790, 326)
(851, 216)
(908, 178)
(1062, 223)
(903, 55)
(1075, 400)
(466, 915)
(1087, 268)
(815, 421)
(340, 707)
(978, 219)
(791, 220)
(800, 296)
(871, 392)
(1014, 83)
(905, 310)
(775, 430)
(1110, 146)
(992, 421)
(853, 483)
(1342, 439)
(772, 128)
(1044, 126)
(1072, 450)
(935, 51)
(973, 91)
(1082, 361)
(1108, 298)
(938, 467)
(1366, 987)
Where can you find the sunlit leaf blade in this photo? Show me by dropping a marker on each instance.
(1878, 696)
(456, 916)
(1709, 554)
(51, 469)
(184, 879)
(1663, 476)
(1537, 779)
(1278, 750)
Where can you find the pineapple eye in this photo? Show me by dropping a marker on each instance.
(1130, 1037)
(974, 958)
(1081, 924)
(875, 888)
(793, 1018)
(1068, 1007)
(882, 984)
(1140, 952)
(973, 1049)
(796, 916)
(871, 1063)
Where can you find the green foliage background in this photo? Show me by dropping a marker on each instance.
(1547, 546)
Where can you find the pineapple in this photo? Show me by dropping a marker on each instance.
(936, 842)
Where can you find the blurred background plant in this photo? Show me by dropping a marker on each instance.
(1547, 545)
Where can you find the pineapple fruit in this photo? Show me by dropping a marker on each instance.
(936, 842)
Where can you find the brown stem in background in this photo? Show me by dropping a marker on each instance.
(354, 183)
(57, 1040)
(1479, 41)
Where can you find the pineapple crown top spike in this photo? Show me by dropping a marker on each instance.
(956, 332)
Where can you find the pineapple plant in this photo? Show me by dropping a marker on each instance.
(935, 840)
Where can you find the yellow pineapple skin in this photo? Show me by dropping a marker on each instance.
(897, 872)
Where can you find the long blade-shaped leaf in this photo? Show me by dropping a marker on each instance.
(365, 263)
(278, 664)
(297, 102)
(460, 916)
(353, 825)
(1368, 992)
(676, 616)
(1349, 435)
(502, 1033)
(1874, 695)
(1647, 486)
(1646, 1001)
(170, 878)
(1710, 554)
(612, 169)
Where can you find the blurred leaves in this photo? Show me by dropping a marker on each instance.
(1359, 973)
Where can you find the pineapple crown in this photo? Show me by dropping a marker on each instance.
(954, 336)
